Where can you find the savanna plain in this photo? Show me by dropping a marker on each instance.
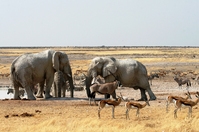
(75, 114)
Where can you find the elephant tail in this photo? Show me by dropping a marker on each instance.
(14, 77)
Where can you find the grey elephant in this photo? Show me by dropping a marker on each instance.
(130, 73)
(30, 69)
(60, 85)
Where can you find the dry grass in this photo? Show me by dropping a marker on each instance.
(78, 117)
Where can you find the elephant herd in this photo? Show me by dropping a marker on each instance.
(41, 68)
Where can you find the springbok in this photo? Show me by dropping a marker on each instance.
(106, 88)
(172, 99)
(135, 105)
(109, 103)
(186, 103)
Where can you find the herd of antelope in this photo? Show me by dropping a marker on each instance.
(181, 77)
(178, 101)
(128, 105)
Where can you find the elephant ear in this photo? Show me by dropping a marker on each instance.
(56, 61)
(109, 67)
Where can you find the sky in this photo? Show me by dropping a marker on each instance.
(33, 23)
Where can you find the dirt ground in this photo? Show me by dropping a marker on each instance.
(74, 114)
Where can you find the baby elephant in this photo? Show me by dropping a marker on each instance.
(60, 84)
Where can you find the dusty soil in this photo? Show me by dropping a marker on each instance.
(74, 114)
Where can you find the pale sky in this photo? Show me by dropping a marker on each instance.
(28, 23)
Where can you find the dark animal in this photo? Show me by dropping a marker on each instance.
(182, 81)
(152, 76)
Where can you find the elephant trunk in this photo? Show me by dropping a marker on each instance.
(88, 84)
(68, 74)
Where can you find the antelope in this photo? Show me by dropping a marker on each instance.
(187, 103)
(135, 105)
(172, 99)
(106, 88)
(182, 81)
(152, 76)
(196, 79)
(109, 103)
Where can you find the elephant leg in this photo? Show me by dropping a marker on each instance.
(143, 95)
(16, 93)
(29, 92)
(151, 94)
(55, 90)
(71, 87)
(59, 88)
(107, 96)
(94, 99)
(88, 92)
(49, 82)
(64, 91)
(114, 95)
(40, 90)
(93, 94)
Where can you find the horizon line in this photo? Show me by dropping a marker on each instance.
(100, 47)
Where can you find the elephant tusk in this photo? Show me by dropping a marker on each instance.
(93, 80)
(69, 75)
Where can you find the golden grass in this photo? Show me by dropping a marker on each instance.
(61, 117)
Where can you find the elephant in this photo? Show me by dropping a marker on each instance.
(60, 84)
(29, 69)
(129, 72)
